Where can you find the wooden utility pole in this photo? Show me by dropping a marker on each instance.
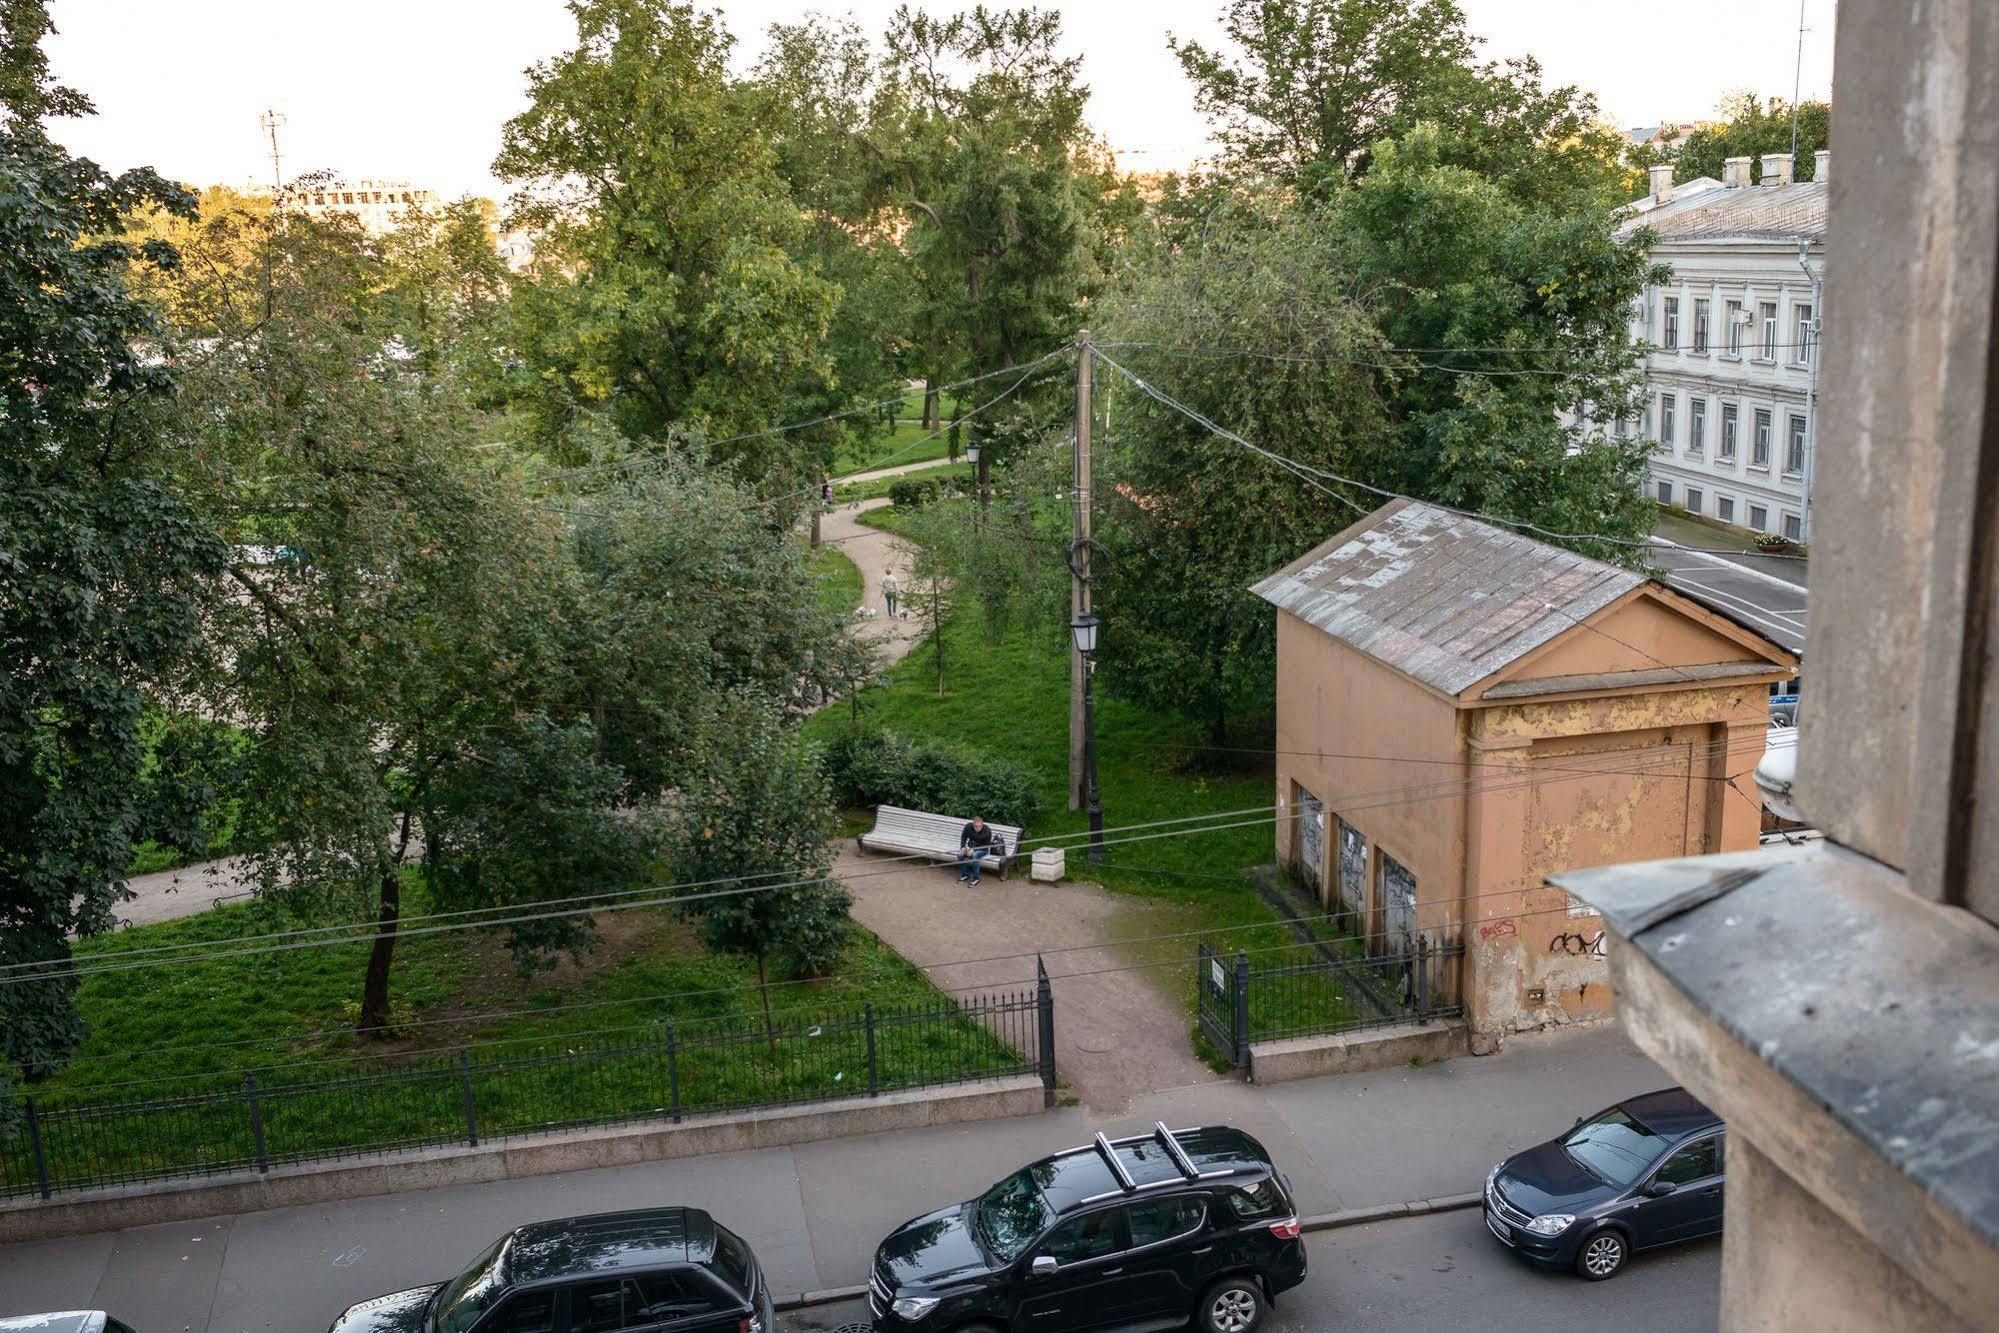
(1079, 568)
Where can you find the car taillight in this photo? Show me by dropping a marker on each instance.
(1288, 1229)
(752, 1325)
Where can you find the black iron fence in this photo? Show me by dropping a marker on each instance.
(1324, 987)
(251, 1122)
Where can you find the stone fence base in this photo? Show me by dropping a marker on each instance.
(1354, 1052)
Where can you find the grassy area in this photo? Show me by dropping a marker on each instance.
(839, 581)
(849, 492)
(1012, 698)
(584, 1043)
(907, 443)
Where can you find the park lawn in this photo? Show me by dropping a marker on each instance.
(907, 443)
(536, 1056)
(939, 470)
(1012, 698)
(839, 581)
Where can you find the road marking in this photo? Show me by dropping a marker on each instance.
(348, 1258)
(1726, 563)
(1771, 616)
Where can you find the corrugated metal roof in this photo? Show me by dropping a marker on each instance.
(1446, 599)
(1772, 212)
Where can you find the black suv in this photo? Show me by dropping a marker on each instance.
(1645, 1173)
(1145, 1231)
(651, 1269)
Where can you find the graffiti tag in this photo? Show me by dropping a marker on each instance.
(1498, 930)
(1577, 946)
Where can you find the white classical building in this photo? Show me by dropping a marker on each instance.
(1731, 374)
(380, 205)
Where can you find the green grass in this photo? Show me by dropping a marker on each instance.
(839, 581)
(1012, 698)
(848, 492)
(287, 1016)
(907, 443)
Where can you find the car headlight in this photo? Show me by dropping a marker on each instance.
(1492, 1175)
(914, 1307)
(1551, 1224)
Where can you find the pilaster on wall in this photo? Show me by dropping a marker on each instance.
(1498, 808)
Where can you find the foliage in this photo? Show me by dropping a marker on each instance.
(1750, 127)
(104, 568)
(669, 291)
(755, 821)
(913, 492)
(1319, 83)
(879, 766)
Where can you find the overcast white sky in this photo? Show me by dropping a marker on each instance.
(417, 89)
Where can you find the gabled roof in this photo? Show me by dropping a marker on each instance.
(1440, 597)
(1751, 212)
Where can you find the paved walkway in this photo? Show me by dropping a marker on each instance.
(1118, 1034)
(814, 1212)
(900, 469)
(874, 553)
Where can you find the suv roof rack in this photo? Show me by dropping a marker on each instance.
(1123, 1177)
(1175, 1151)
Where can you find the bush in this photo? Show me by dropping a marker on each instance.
(883, 767)
(912, 493)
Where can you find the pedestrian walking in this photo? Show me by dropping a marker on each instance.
(891, 592)
(826, 490)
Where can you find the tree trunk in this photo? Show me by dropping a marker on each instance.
(770, 1029)
(815, 525)
(375, 988)
(932, 412)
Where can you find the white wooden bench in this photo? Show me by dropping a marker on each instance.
(919, 833)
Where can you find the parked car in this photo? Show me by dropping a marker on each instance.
(69, 1321)
(1151, 1230)
(1645, 1173)
(634, 1270)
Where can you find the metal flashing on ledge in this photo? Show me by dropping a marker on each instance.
(1881, 1007)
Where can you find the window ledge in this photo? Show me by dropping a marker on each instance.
(1851, 1032)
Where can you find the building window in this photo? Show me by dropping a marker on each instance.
(1696, 426)
(1759, 518)
(1669, 404)
(1794, 447)
(1724, 508)
(1759, 443)
(1730, 418)
(1693, 499)
(1670, 338)
(1665, 492)
(1794, 528)
(1731, 315)
(1802, 352)
(1768, 312)
(1702, 308)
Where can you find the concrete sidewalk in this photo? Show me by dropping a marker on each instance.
(815, 1212)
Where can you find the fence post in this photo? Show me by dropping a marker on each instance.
(673, 1073)
(35, 1142)
(874, 1069)
(1422, 979)
(1044, 1014)
(1241, 1016)
(465, 1083)
(256, 1122)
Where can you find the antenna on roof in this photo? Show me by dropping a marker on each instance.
(1797, 83)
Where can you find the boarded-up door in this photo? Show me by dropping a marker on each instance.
(1312, 843)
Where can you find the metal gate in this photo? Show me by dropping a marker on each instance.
(1223, 1006)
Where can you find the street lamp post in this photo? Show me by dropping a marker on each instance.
(1084, 627)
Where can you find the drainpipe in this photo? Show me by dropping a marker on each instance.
(1811, 388)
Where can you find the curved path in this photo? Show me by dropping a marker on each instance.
(874, 553)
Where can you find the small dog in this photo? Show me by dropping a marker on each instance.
(866, 612)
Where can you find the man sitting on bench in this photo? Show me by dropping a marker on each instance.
(975, 844)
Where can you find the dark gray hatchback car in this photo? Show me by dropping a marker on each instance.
(1645, 1173)
(654, 1270)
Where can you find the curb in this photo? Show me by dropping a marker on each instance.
(1348, 1217)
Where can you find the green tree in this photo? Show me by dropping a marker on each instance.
(1318, 83)
(1750, 127)
(757, 816)
(104, 568)
(669, 291)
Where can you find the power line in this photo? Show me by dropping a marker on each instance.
(1396, 796)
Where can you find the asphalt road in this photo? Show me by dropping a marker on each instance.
(1772, 602)
(1444, 1272)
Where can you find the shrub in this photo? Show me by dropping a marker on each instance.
(912, 492)
(883, 767)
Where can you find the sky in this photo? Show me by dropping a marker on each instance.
(417, 89)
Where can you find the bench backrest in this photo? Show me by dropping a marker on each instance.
(920, 828)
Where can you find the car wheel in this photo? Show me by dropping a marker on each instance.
(1602, 1256)
(1232, 1306)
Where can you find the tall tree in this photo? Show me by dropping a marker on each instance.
(104, 568)
(1316, 84)
(1750, 127)
(669, 291)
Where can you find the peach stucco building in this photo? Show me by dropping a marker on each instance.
(1462, 710)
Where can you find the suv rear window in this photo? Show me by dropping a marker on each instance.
(1256, 1201)
(733, 1258)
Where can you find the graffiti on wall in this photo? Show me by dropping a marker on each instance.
(1577, 945)
(1497, 930)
